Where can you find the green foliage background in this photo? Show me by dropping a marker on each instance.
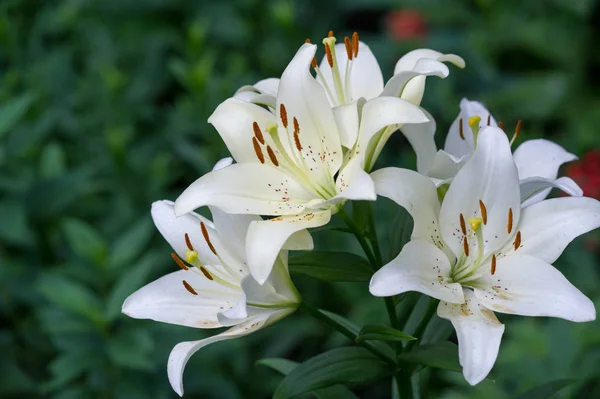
(103, 109)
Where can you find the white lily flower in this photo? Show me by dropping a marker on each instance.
(479, 251)
(290, 162)
(537, 160)
(350, 75)
(214, 289)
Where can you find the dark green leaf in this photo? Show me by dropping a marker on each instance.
(400, 232)
(360, 214)
(382, 333)
(442, 355)
(349, 365)
(331, 266)
(131, 243)
(11, 113)
(84, 240)
(283, 366)
(546, 390)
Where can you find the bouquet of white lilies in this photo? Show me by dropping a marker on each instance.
(304, 145)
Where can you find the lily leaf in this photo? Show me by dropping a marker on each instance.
(348, 365)
(441, 355)
(331, 266)
(546, 390)
(382, 332)
(11, 113)
(281, 365)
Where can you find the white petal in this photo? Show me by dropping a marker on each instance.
(246, 188)
(395, 87)
(382, 112)
(281, 281)
(535, 189)
(231, 230)
(233, 119)
(167, 300)
(415, 193)
(549, 226)
(479, 334)
(455, 145)
(540, 158)
(174, 228)
(413, 91)
(354, 183)
(420, 267)
(445, 166)
(347, 119)
(420, 137)
(266, 238)
(223, 163)
(528, 286)
(263, 92)
(305, 100)
(182, 352)
(490, 176)
(299, 241)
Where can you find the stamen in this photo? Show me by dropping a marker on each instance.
(501, 125)
(489, 120)
(297, 134)
(313, 63)
(493, 264)
(206, 273)
(329, 55)
(257, 150)
(517, 131)
(463, 226)
(355, 44)
(207, 238)
(283, 115)
(258, 133)
(188, 243)
(483, 210)
(460, 129)
(272, 156)
(179, 261)
(307, 40)
(330, 34)
(348, 45)
(466, 246)
(191, 256)
(189, 288)
(518, 240)
(510, 220)
(475, 223)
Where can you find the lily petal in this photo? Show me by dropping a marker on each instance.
(232, 230)
(354, 183)
(182, 352)
(347, 119)
(305, 100)
(365, 80)
(421, 267)
(549, 226)
(266, 238)
(528, 286)
(395, 87)
(490, 176)
(479, 334)
(456, 145)
(167, 300)
(234, 119)
(263, 92)
(445, 166)
(420, 137)
(535, 189)
(248, 188)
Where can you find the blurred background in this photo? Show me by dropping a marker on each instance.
(103, 109)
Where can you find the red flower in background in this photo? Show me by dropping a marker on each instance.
(405, 24)
(586, 173)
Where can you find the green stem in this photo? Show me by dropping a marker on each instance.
(429, 312)
(405, 389)
(373, 237)
(319, 315)
(359, 237)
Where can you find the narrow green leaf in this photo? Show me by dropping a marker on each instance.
(348, 365)
(281, 365)
(130, 243)
(84, 240)
(382, 332)
(11, 113)
(360, 214)
(442, 355)
(546, 390)
(331, 266)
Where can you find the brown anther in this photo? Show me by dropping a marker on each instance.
(518, 130)
(501, 125)
(460, 129)
(313, 63)
(307, 40)
(189, 288)
(329, 55)
(207, 238)
(355, 44)
(272, 156)
(348, 45)
(466, 246)
(518, 240)
(206, 273)
(297, 134)
(493, 264)
(463, 226)
(330, 33)
(283, 115)
(258, 133)
(510, 220)
(257, 150)
(179, 261)
(489, 120)
(188, 243)
(483, 210)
